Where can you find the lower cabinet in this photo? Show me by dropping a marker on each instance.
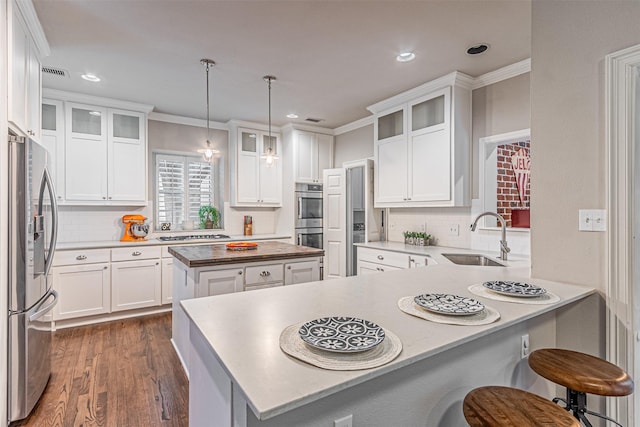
(365, 267)
(85, 290)
(301, 272)
(218, 282)
(167, 280)
(135, 284)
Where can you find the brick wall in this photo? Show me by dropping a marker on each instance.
(507, 192)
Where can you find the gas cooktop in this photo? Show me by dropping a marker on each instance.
(194, 237)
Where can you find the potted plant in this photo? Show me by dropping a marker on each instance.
(209, 217)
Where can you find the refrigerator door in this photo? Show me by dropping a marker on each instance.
(30, 355)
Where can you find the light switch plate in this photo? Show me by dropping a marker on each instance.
(585, 223)
(454, 229)
(592, 220)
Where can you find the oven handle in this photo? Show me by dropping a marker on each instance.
(299, 207)
(299, 239)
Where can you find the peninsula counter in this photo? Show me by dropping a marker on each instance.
(240, 377)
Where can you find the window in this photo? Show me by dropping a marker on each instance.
(183, 185)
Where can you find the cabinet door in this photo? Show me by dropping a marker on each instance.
(391, 177)
(430, 174)
(306, 157)
(53, 140)
(218, 282)
(135, 284)
(85, 290)
(127, 156)
(248, 170)
(167, 280)
(85, 151)
(270, 176)
(19, 59)
(301, 272)
(325, 154)
(34, 91)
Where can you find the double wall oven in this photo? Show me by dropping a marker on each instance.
(309, 215)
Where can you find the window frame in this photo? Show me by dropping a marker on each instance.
(217, 187)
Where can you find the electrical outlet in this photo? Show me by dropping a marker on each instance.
(524, 346)
(454, 229)
(344, 421)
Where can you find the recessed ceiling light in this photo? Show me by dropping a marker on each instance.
(292, 116)
(406, 57)
(477, 49)
(91, 77)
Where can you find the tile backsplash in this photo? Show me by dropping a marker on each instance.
(102, 223)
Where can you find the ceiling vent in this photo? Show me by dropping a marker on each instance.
(312, 120)
(57, 72)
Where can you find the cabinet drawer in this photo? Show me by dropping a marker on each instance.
(268, 285)
(365, 267)
(135, 253)
(79, 257)
(394, 259)
(260, 274)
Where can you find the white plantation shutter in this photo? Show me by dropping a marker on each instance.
(183, 185)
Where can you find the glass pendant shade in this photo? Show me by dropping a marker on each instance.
(209, 152)
(269, 156)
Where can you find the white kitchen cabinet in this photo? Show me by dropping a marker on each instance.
(254, 182)
(105, 156)
(53, 140)
(422, 141)
(301, 272)
(83, 281)
(376, 260)
(365, 267)
(218, 282)
(135, 284)
(313, 154)
(25, 83)
(167, 280)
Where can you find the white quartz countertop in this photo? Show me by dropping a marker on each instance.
(153, 241)
(435, 252)
(247, 344)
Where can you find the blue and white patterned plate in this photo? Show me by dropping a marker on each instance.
(341, 334)
(453, 305)
(514, 289)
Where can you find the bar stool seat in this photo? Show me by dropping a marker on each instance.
(581, 374)
(495, 406)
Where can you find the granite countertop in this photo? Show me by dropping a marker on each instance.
(289, 384)
(154, 241)
(208, 255)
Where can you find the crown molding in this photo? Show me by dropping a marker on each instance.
(82, 98)
(365, 121)
(252, 125)
(187, 121)
(35, 28)
(309, 128)
(503, 73)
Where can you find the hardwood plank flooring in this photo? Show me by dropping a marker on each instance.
(123, 373)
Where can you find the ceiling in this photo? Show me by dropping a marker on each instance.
(331, 58)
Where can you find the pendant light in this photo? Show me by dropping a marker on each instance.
(270, 155)
(208, 153)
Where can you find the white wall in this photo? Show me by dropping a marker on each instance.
(354, 145)
(569, 42)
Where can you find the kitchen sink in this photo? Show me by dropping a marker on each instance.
(472, 259)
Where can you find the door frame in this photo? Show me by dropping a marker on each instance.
(621, 71)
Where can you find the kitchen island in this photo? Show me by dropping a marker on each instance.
(240, 376)
(207, 270)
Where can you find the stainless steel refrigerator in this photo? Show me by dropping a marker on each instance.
(33, 221)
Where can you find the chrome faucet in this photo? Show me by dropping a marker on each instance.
(504, 249)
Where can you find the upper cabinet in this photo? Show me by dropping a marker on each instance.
(313, 154)
(422, 145)
(254, 182)
(98, 152)
(26, 43)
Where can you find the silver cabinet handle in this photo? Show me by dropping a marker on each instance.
(136, 253)
(105, 267)
(81, 257)
(379, 269)
(289, 267)
(110, 197)
(104, 198)
(265, 274)
(240, 273)
(380, 257)
(157, 263)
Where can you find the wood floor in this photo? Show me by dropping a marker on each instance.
(123, 373)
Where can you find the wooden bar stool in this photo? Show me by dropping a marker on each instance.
(581, 374)
(495, 406)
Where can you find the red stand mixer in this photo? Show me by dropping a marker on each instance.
(135, 230)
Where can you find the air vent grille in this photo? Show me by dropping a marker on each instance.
(58, 72)
(313, 120)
